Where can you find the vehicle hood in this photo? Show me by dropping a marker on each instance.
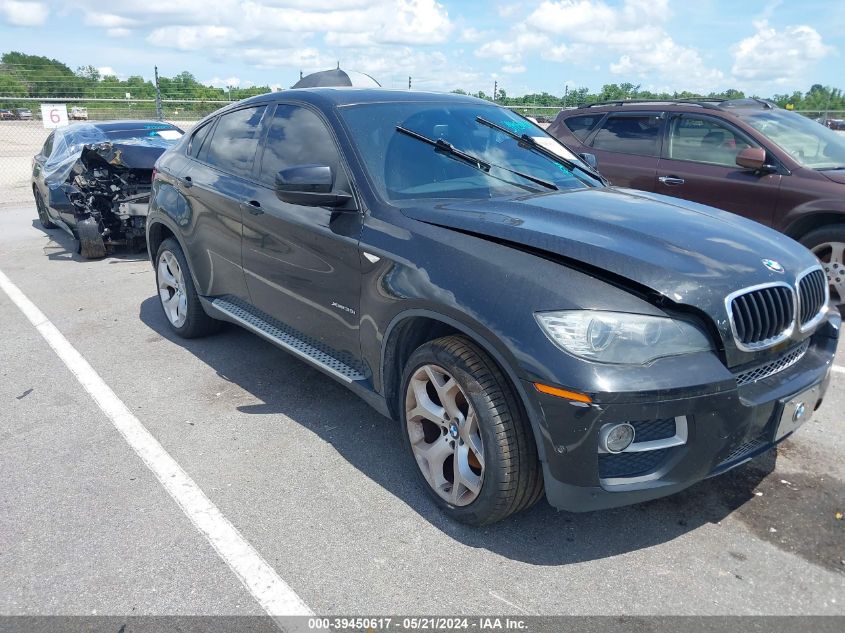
(126, 153)
(836, 175)
(689, 253)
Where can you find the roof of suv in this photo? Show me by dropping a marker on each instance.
(703, 103)
(341, 95)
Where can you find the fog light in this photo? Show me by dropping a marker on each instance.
(615, 438)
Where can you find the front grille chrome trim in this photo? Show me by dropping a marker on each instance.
(809, 325)
(772, 340)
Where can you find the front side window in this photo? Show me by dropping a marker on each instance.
(581, 126)
(705, 140)
(297, 136)
(811, 144)
(235, 139)
(403, 167)
(630, 134)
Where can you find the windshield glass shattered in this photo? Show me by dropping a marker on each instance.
(402, 167)
(808, 142)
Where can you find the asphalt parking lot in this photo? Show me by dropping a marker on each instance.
(320, 486)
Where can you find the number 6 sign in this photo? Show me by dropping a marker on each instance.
(54, 115)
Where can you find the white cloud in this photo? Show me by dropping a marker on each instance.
(563, 53)
(107, 71)
(513, 49)
(514, 69)
(345, 23)
(108, 20)
(389, 39)
(19, 13)
(234, 82)
(188, 38)
(681, 66)
(635, 32)
(471, 34)
(779, 57)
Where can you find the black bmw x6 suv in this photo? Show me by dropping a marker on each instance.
(533, 330)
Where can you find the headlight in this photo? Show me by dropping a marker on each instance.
(619, 337)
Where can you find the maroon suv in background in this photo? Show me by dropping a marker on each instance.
(746, 156)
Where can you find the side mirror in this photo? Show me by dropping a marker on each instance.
(752, 158)
(590, 159)
(309, 185)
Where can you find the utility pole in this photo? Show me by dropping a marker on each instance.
(409, 82)
(495, 89)
(565, 95)
(159, 112)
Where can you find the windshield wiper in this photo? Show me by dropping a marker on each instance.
(444, 147)
(528, 142)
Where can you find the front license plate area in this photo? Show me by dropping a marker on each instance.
(797, 410)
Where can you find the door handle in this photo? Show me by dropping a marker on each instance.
(255, 207)
(671, 181)
(188, 181)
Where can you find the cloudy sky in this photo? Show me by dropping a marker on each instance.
(760, 46)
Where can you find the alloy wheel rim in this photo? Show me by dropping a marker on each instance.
(171, 289)
(832, 258)
(445, 435)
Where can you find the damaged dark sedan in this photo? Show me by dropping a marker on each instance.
(93, 181)
(532, 329)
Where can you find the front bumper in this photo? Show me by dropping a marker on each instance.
(722, 429)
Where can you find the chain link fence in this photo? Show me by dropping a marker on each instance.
(22, 137)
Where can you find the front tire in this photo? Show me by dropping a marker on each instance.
(467, 433)
(91, 244)
(41, 208)
(178, 296)
(828, 244)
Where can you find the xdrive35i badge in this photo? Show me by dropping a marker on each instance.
(772, 265)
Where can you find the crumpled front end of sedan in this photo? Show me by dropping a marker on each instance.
(100, 186)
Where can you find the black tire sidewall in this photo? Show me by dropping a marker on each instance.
(487, 502)
(831, 233)
(41, 208)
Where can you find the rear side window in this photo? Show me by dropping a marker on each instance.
(199, 138)
(232, 146)
(48, 146)
(581, 126)
(631, 134)
(297, 136)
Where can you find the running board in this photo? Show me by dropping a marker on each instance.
(286, 338)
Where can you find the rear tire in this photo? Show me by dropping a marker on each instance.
(178, 297)
(828, 244)
(461, 421)
(41, 208)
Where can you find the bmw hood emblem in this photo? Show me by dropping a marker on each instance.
(772, 265)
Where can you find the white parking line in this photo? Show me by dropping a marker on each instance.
(260, 579)
(838, 369)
